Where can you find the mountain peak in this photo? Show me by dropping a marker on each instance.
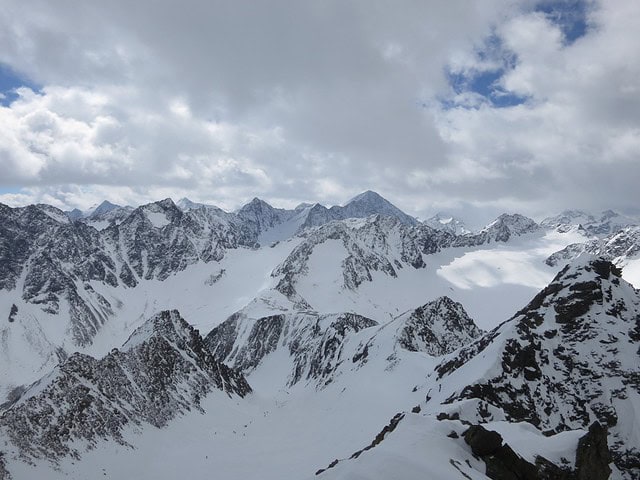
(185, 204)
(166, 203)
(448, 223)
(437, 328)
(367, 196)
(167, 324)
(371, 203)
(105, 207)
(258, 202)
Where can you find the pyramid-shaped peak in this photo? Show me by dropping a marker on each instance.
(302, 206)
(167, 323)
(105, 207)
(371, 203)
(368, 196)
(255, 205)
(166, 203)
(186, 204)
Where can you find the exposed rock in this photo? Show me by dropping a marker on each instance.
(163, 370)
(593, 456)
(502, 229)
(13, 312)
(393, 423)
(605, 223)
(566, 359)
(616, 247)
(364, 205)
(482, 441)
(504, 464)
(314, 342)
(437, 328)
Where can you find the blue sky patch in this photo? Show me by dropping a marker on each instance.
(486, 84)
(9, 189)
(569, 15)
(9, 81)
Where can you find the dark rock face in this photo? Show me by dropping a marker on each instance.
(12, 313)
(314, 342)
(59, 258)
(504, 464)
(593, 457)
(259, 216)
(438, 328)
(163, 369)
(482, 441)
(4, 473)
(390, 427)
(568, 357)
(262, 340)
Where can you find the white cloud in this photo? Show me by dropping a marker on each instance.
(295, 101)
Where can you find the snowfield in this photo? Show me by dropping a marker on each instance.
(370, 342)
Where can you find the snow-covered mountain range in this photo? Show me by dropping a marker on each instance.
(329, 319)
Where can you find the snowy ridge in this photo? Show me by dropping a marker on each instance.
(382, 244)
(618, 247)
(547, 385)
(320, 347)
(162, 371)
(605, 223)
(436, 328)
(500, 230)
(447, 223)
(313, 342)
(361, 206)
(375, 244)
(567, 359)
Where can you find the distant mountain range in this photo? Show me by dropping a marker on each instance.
(335, 319)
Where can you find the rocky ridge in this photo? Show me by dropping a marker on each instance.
(617, 247)
(163, 370)
(320, 346)
(567, 359)
(602, 224)
(313, 342)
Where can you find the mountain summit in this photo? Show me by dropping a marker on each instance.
(361, 206)
(371, 203)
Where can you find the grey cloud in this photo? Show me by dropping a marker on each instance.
(301, 101)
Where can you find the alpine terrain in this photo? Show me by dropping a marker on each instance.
(177, 339)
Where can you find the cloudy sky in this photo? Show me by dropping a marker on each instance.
(476, 107)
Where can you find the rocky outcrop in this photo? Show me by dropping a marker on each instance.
(362, 206)
(390, 427)
(502, 229)
(616, 247)
(164, 369)
(593, 456)
(313, 342)
(437, 328)
(604, 223)
(565, 360)
(505, 464)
